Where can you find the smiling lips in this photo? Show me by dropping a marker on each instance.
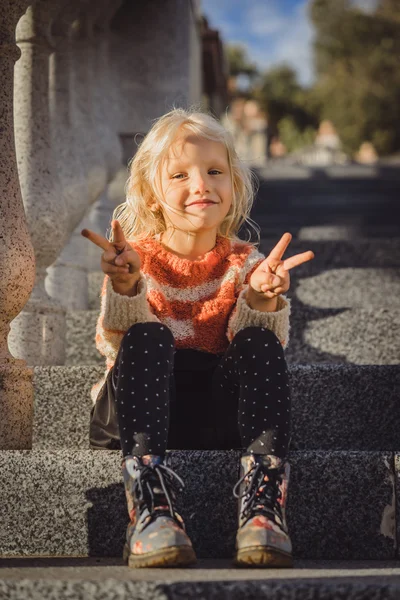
(202, 202)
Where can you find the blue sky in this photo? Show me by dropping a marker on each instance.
(274, 31)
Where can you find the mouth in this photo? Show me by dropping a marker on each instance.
(202, 202)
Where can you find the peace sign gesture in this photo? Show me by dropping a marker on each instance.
(119, 261)
(271, 278)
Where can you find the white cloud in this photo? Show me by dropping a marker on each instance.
(292, 45)
(262, 19)
(271, 33)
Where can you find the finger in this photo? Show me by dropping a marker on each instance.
(118, 235)
(124, 257)
(110, 255)
(113, 269)
(271, 280)
(97, 239)
(265, 287)
(269, 294)
(281, 246)
(280, 290)
(298, 259)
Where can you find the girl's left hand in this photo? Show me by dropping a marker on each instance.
(271, 278)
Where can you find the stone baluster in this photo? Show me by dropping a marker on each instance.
(38, 332)
(67, 277)
(84, 112)
(17, 261)
(106, 106)
(72, 291)
(106, 98)
(65, 138)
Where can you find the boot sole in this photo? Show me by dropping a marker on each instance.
(173, 556)
(260, 556)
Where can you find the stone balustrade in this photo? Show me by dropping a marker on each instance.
(106, 93)
(17, 261)
(38, 333)
(67, 277)
(77, 78)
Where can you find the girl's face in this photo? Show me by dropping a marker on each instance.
(196, 184)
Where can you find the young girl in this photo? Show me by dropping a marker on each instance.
(193, 324)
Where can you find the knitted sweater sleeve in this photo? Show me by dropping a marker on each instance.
(117, 314)
(243, 316)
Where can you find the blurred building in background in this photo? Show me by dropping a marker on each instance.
(249, 126)
(215, 70)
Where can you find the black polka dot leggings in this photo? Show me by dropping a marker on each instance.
(177, 399)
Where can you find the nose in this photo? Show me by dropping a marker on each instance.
(200, 184)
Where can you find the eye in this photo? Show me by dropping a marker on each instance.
(215, 171)
(178, 176)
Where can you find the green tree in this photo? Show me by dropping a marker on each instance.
(292, 137)
(239, 62)
(282, 97)
(356, 58)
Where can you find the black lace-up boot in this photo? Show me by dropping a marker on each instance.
(156, 534)
(262, 539)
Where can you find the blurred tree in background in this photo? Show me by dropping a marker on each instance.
(239, 62)
(293, 136)
(238, 65)
(357, 58)
(357, 87)
(288, 106)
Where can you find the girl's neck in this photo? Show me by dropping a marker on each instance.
(191, 246)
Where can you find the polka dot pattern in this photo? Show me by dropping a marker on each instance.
(142, 407)
(250, 391)
(254, 380)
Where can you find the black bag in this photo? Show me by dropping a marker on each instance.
(103, 429)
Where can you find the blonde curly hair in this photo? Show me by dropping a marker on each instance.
(143, 187)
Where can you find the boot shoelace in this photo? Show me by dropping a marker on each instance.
(149, 479)
(260, 495)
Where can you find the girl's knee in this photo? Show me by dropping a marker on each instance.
(258, 335)
(140, 333)
(253, 342)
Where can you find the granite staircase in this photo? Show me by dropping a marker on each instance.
(64, 514)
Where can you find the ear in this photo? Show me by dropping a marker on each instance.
(154, 207)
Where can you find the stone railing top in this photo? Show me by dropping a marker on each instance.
(35, 25)
(10, 13)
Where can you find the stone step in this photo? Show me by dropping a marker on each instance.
(368, 335)
(328, 227)
(360, 336)
(109, 578)
(335, 191)
(341, 505)
(334, 407)
(340, 254)
(350, 232)
(381, 173)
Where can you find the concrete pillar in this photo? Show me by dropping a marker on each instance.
(67, 277)
(85, 120)
(106, 106)
(155, 54)
(65, 137)
(38, 332)
(17, 262)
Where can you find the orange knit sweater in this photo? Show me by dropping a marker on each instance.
(203, 302)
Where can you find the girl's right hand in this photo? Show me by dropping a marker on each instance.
(119, 261)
